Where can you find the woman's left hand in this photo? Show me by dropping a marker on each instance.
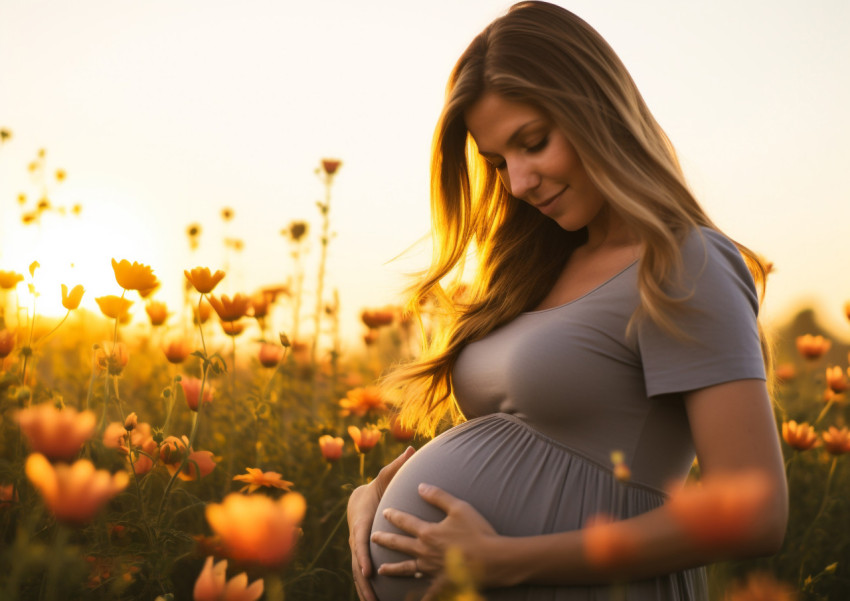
(463, 528)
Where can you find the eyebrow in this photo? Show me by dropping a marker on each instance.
(514, 136)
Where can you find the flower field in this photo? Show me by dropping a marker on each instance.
(209, 452)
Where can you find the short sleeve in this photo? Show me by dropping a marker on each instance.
(718, 318)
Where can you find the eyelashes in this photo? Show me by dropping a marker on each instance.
(533, 149)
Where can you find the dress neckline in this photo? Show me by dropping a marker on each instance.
(586, 294)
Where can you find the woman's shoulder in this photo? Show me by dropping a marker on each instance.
(712, 262)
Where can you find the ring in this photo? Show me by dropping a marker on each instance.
(418, 574)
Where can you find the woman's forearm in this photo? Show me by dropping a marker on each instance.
(645, 546)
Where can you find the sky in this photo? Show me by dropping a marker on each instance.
(162, 113)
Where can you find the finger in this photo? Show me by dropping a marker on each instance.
(438, 497)
(401, 568)
(396, 542)
(405, 522)
(388, 472)
(361, 583)
(437, 588)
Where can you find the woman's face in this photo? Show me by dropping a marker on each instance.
(535, 161)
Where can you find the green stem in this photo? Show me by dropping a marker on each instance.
(823, 504)
(58, 325)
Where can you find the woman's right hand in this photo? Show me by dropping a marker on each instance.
(362, 506)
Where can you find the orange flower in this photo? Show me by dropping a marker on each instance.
(230, 310)
(361, 401)
(761, 587)
(377, 318)
(7, 342)
(331, 165)
(202, 280)
(847, 309)
(173, 449)
(607, 543)
(157, 312)
(72, 300)
(399, 431)
(115, 361)
(812, 347)
(835, 379)
(8, 495)
(74, 493)
(115, 437)
(211, 585)
(799, 436)
(56, 433)
(259, 305)
(331, 447)
(177, 350)
(721, 510)
(205, 312)
(785, 372)
(370, 337)
(365, 439)
(256, 478)
(837, 442)
(113, 306)
(232, 328)
(134, 276)
(257, 529)
(192, 392)
(198, 463)
(10, 279)
(270, 354)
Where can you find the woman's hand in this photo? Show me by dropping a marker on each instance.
(463, 528)
(362, 505)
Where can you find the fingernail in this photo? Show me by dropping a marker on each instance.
(424, 487)
(363, 571)
(386, 513)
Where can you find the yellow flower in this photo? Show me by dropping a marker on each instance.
(134, 276)
(201, 279)
(230, 310)
(799, 436)
(74, 493)
(113, 306)
(256, 478)
(72, 300)
(157, 312)
(364, 439)
(60, 175)
(232, 328)
(10, 279)
(257, 529)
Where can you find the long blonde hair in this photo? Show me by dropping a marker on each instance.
(544, 56)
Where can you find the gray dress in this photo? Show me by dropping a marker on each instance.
(549, 395)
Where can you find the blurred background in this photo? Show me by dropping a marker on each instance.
(163, 114)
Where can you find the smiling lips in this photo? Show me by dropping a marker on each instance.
(550, 202)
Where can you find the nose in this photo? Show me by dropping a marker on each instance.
(522, 177)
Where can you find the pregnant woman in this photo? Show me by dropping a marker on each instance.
(607, 314)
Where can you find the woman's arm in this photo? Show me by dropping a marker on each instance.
(362, 505)
(733, 431)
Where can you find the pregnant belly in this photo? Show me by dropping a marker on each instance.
(522, 482)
